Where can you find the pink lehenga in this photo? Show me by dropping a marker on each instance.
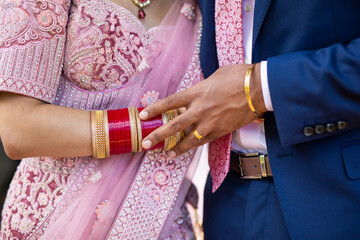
(94, 54)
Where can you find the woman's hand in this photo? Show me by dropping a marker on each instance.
(215, 106)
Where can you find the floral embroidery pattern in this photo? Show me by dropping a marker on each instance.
(229, 42)
(149, 98)
(95, 176)
(37, 185)
(12, 19)
(143, 65)
(161, 176)
(32, 40)
(17, 28)
(189, 11)
(43, 199)
(149, 195)
(101, 54)
(110, 49)
(229, 34)
(157, 181)
(45, 18)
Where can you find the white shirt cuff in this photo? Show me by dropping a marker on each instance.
(265, 86)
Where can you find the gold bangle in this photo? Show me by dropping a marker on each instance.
(247, 92)
(171, 141)
(93, 132)
(133, 128)
(100, 137)
(139, 130)
(182, 135)
(165, 121)
(107, 137)
(178, 134)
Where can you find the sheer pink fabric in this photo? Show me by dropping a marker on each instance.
(134, 196)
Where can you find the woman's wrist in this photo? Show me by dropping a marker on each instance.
(121, 131)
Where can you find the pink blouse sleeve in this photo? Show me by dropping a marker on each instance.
(32, 39)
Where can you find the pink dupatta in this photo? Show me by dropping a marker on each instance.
(136, 196)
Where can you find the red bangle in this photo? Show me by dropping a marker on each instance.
(112, 132)
(124, 133)
(120, 132)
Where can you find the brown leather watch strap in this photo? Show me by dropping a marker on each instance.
(251, 166)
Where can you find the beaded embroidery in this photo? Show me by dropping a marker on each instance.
(95, 176)
(103, 211)
(189, 11)
(110, 49)
(149, 98)
(154, 190)
(32, 37)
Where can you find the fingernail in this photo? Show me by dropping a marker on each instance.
(171, 154)
(146, 144)
(143, 115)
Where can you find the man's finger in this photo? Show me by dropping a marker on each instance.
(193, 140)
(178, 100)
(176, 125)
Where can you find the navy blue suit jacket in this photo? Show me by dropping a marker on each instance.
(313, 53)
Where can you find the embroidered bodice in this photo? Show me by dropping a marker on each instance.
(102, 44)
(77, 54)
(109, 48)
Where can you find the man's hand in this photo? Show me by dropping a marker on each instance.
(215, 107)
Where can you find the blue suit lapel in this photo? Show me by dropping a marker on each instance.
(208, 54)
(261, 8)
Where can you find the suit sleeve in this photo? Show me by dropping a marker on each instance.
(32, 40)
(316, 90)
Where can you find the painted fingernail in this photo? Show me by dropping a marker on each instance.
(146, 144)
(143, 115)
(171, 154)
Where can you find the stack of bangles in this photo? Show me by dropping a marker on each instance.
(121, 131)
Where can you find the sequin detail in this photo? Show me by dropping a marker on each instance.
(109, 50)
(103, 211)
(158, 180)
(189, 11)
(95, 176)
(32, 39)
(31, 58)
(150, 197)
(37, 185)
(149, 98)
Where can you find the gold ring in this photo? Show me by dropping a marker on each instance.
(197, 134)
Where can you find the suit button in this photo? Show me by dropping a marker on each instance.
(342, 125)
(248, 7)
(308, 131)
(319, 129)
(330, 127)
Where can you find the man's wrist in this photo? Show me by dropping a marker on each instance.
(256, 92)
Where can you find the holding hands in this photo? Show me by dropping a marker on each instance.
(214, 108)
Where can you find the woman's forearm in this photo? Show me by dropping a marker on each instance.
(31, 128)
